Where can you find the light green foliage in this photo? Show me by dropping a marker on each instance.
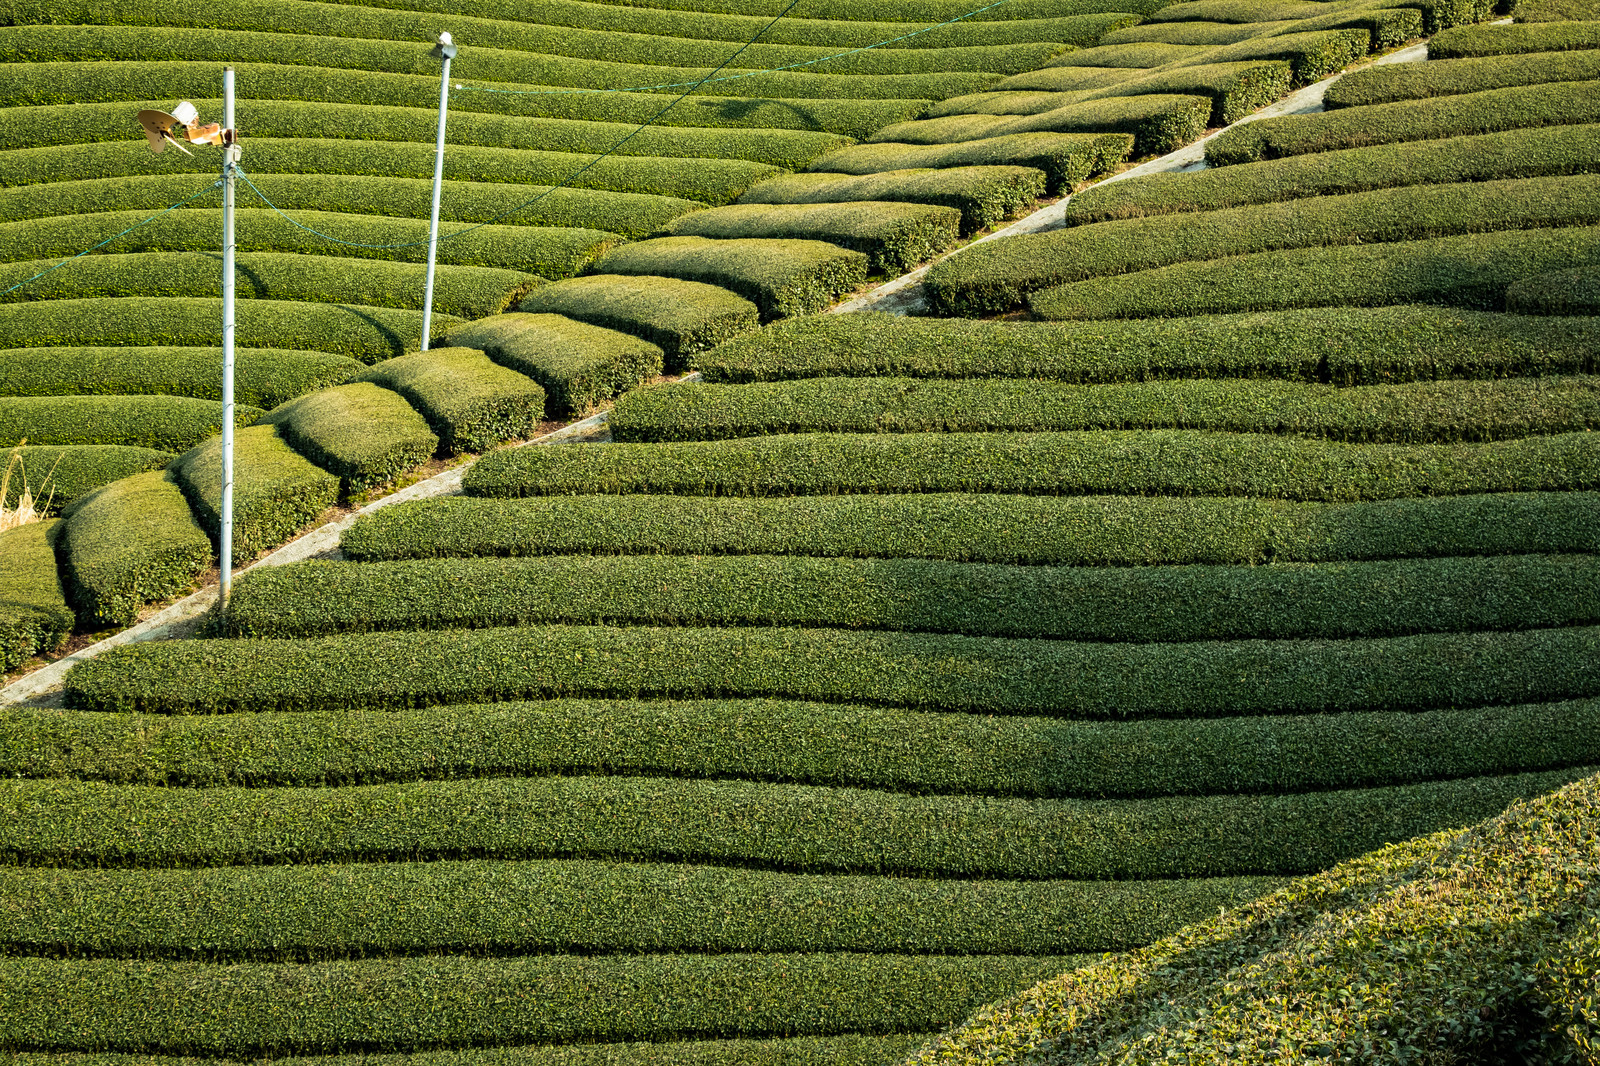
(1451, 77)
(1236, 88)
(60, 474)
(1514, 40)
(578, 365)
(897, 236)
(276, 493)
(34, 616)
(1159, 123)
(680, 317)
(363, 433)
(472, 403)
(985, 195)
(161, 423)
(781, 277)
(263, 377)
(1065, 158)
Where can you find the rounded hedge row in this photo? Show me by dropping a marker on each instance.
(160, 423)
(263, 377)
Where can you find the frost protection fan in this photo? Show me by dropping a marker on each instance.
(159, 127)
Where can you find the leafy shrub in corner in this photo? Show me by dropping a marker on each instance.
(34, 616)
(578, 365)
(127, 544)
(1064, 158)
(161, 423)
(896, 236)
(363, 433)
(276, 493)
(681, 317)
(983, 195)
(262, 377)
(469, 401)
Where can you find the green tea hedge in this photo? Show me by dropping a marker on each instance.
(276, 493)
(1236, 88)
(847, 745)
(1197, 32)
(1159, 123)
(1143, 54)
(1468, 271)
(1484, 157)
(896, 236)
(1237, 11)
(999, 275)
(680, 317)
(1312, 54)
(1386, 28)
(363, 433)
(781, 277)
(1425, 412)
(1065, 158)
(1368, 599)
(1449, 77)
(262, 377)
(578, 365)
(1136, 462)
(1522, 107)
(543, 250)
(364, 333)
(1465, 41)
(59, 475)
(127, 544)
(161, 423)
(34, 616)
(730, 823)
(1072, 530)
(1344, 346)
(471, 403)
(1480, 940)
(933, 671)
(322, 912)
(251, 1010)
(984, 195)
(1003, 103)
(1561, 292)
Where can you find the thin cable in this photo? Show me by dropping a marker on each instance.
(568, 180)
(734, 77)
(209, 188)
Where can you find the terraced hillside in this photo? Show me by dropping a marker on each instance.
(899, 664)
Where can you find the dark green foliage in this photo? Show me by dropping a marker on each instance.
(162, 423)
(1469, 271)
(1432, 411)
(1467, 41)
(1482, 940)
(471, 403)
(262, 377)
(1236, 88)
(1065, 158)
(1513, 154)
(1343, 346)
(364, 333)
(127, 544)
(1563, 292)
(999, 275)
(984, 195)
(1370, 599)
(431, 1001)
(59, 475)
(680, 317)
(276, 493)
(34, 616)
(848, 745)
(1208, 679)
(1136, 462)
(1450, 77)
(781, 277)
(321, 912)
(1523, 107)
(363, 433)
(579, 365)
(629, 214)
(896, 236)
(1159, 123)
(734, 823)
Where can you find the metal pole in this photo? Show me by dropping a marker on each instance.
(446, 51)
(229, 165)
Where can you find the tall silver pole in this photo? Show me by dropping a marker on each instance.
(229, 164)
(446, 51)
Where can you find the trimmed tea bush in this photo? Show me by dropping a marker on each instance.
(781, 277)
(983, 195)
(1065, 158)
(1466, 41)
(1012, 103)
(1149, 462)
(1450, 77)
(1344, 346)
(1236, 89)
(579, 366)
(262, 377)
(896, 236)
(160, 423)
(364, 434)
(1313, 54)
(1562, 292)
(1470, 271)
(34, 616)
(127, 544)
(470, 402)
(1159, 123)
(1066, 530)
(276, 493)
(1143, 54)
(66, 473)
(680, 317)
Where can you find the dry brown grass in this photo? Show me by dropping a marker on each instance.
(28, 506)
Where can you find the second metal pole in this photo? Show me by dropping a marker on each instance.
(446, 51)
(229, 165)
